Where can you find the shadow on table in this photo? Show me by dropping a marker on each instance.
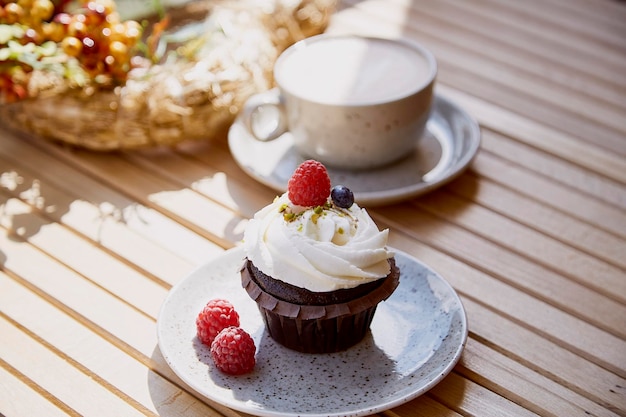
(146, 191)
(24, 209)
(163, 386)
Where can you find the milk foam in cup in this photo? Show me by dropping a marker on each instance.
(350, 102)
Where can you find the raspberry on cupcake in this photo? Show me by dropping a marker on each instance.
(309, 185)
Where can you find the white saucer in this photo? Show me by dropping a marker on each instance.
(416, 338)
(448, 146)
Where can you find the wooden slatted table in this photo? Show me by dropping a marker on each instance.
(532, 236)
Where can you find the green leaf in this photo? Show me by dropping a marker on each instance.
(48, 48)
(5, 54)
(10, 32)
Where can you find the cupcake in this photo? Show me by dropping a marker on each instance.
(317, 265)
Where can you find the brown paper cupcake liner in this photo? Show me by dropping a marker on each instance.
(284, 308)
(318, 335)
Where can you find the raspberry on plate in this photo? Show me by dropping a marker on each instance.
(233, 351)
(214, 317)
(309, 185)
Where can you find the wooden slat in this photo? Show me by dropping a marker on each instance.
(208, 180)
(575, 33)
(18, 397)
(453, 394)
(123, 372)
(79, 186)
(547, 37)
(516, 340)
(520, 342)
(512, 176)
(533, 350)
(68, 384)
(606, 141)
(566, 22)
(543, 148)
(77, 294)
(423, 407)
(121, 324)
(132, 231)
(572, 263)
(523, 385)
(532, 215)
(547, 322)
(218, 158)
(181, 204)
(116, 237)
(606, 12)
(114, 276)
(507, 268)
(574, 153)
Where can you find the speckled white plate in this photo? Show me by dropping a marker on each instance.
(416, 338)
(448, 146)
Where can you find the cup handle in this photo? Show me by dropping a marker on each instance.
(268, 126)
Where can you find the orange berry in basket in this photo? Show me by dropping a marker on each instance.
(113, 18)
(119, 51)
(31, 35)
(13, 13)
(63, 18)
(42, 10)
(132, 31)
(109, 6)
(77, 28)
(117, 32)
(97, 9)
(53, 31)
(72, 46)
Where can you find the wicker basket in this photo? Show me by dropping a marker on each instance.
(179, 99)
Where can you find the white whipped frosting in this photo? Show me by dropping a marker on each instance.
(321, 251)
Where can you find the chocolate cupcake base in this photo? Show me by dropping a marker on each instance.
(316, 327)
(318, 335)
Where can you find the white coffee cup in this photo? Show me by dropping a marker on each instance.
(350, 102)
